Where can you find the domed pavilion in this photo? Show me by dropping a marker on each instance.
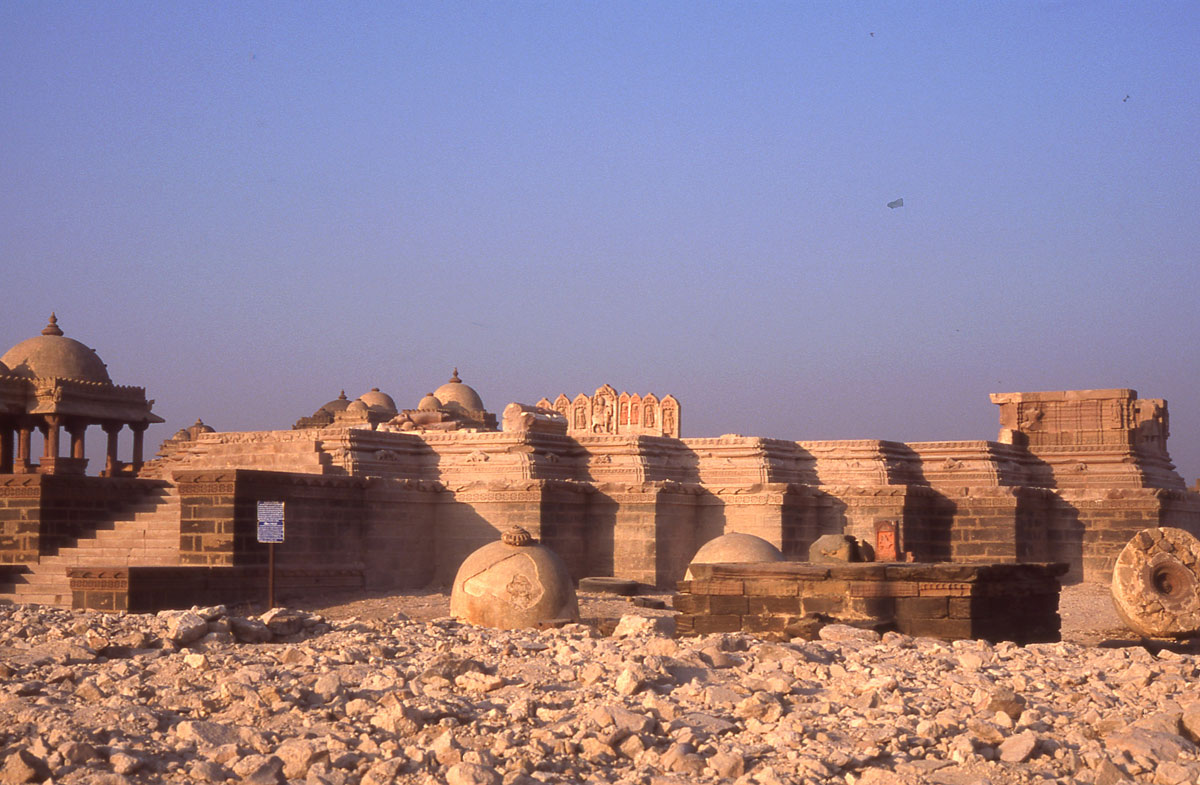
(50, 383)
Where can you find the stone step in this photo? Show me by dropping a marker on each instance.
(121, 557)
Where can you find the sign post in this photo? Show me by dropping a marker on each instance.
(270, 531)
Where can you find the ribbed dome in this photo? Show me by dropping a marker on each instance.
(50, 355)
(378, 400)
(429, 403)
(455, 392)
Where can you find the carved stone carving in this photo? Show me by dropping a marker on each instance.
(1156, 583)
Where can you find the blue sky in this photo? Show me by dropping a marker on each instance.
(247, 207)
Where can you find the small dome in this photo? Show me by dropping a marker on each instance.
(455, 392)
(358, 407)
(429, 403)
(513, 583)
(735, 548)
(50, 355)
(338, 404)
(379, 401)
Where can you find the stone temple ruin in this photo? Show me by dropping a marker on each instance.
(383, 497)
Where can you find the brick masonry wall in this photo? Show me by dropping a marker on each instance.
(324, 519)
(20, 518)
(621, 533)
(949, 601)
(150, 589)
(472, 518)
(400, 517)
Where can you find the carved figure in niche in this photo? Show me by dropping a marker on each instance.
(601, 416)
(580, 418)
(649, 416)
(623, 419)
(951, 464)
(635, 414)
(886, 546)
(1031, 418)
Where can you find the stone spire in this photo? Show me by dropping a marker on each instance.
(52, 328)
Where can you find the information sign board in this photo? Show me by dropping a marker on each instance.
(270, 522)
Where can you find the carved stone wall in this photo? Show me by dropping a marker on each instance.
(608, 412)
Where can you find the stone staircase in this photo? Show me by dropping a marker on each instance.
(146, 535)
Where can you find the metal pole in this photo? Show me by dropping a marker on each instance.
(270, 576)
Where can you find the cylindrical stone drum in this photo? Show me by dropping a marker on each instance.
(1156, 584)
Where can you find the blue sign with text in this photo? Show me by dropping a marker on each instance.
(270, 522)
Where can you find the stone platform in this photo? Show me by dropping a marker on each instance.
(1014, 602)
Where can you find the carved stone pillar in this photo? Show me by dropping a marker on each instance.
(77, 431)
(53, 424)
(51, 429)
(112, 466)
(6, 448)
(139, 430)
(24, 440)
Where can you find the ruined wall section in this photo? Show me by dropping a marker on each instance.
(1092, 438)
(285, 451)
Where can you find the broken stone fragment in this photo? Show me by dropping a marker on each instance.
(184, 627)
(1156, 583)
(641, 626)
(283, 622)
(249, 630)
(830, 548)
(23, 766)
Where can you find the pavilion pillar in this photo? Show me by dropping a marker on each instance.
(51, 428)
(112, 466)
(6, 448)
(24, 442)
(53, 423)
(77, 431)
(139, 430)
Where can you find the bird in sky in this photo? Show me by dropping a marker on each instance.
(1126, 98)
(898, 203)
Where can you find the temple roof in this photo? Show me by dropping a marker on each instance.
(51, 355)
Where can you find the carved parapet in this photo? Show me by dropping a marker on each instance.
(610, 412)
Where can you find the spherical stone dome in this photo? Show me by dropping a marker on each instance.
(513, 583)
(455, 392)
(50, 355)
(377, 400)
(735, 548)
(429, 403)
(338, 404)
(358, 407)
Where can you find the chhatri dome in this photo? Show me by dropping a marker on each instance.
(378, 400)
(51, 355)
(429, 403)
(455, 392)
(338, 404)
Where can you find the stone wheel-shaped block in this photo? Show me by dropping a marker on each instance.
(1156, 584)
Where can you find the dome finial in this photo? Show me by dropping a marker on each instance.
(342, 397)
(52, 328)
(454, 377)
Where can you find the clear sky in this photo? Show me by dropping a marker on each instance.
(246, 207)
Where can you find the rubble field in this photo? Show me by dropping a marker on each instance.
(376, 690)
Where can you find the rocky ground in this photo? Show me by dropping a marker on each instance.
(376, 690)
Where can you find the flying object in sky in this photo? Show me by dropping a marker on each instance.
(898, 203)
